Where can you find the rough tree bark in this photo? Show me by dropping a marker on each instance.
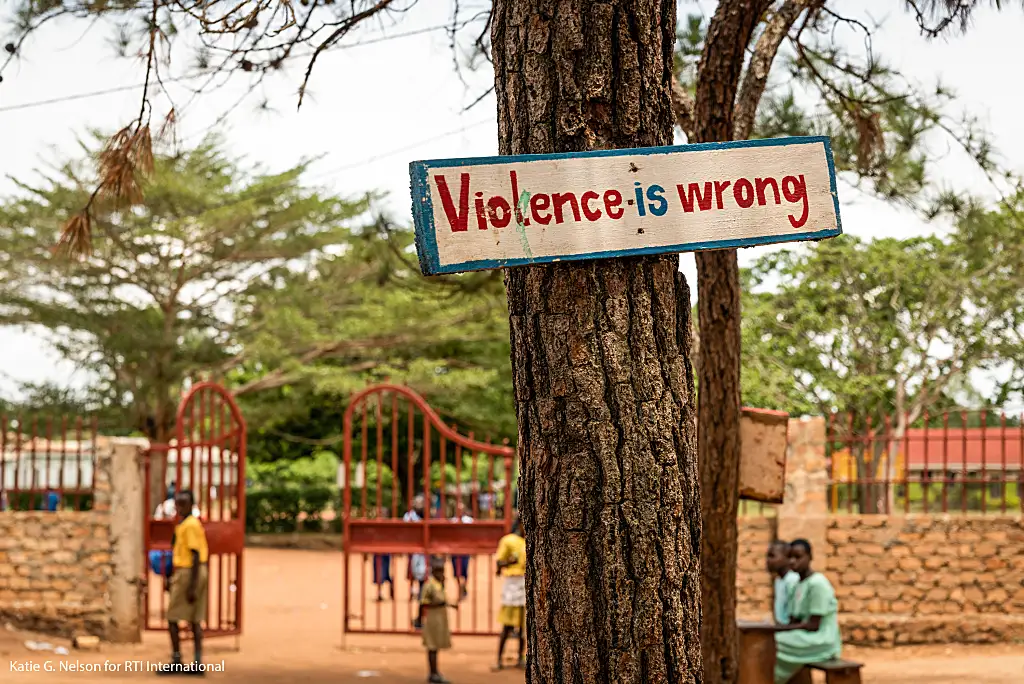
(601, 370)
(718, 312)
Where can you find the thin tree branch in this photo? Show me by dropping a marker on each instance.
(347, 25)
(765, 50)
(682, 108)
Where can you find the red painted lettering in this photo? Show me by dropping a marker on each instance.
(538, 203)
(520, 219)
(613, 200)
(499, 212)
(743, 193)
(585, 199)
(458, 221)
(560, 199)
(481, 215)
(720, 187)
(688, 194)
(794, 188)
(760, 184)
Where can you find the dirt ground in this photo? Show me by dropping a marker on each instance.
(292, 624)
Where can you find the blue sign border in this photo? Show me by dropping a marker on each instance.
(423, 211)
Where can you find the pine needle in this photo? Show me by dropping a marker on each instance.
(870, 142)
(126, 158)
(168, 128)
(123, 162)
(76, 238)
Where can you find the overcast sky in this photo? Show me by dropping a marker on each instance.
(396, 98)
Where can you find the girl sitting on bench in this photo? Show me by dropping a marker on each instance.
(812, 635)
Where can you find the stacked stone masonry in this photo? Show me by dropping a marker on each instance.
(55, 570)
(77, 572)
(899, 579)
(753, 584)
(927, 579)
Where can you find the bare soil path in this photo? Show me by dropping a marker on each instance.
(293, 634)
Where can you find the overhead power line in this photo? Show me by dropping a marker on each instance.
(137, 86)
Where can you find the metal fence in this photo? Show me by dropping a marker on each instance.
(46, 464)
(956, 461)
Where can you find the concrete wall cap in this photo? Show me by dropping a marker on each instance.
(129, 441)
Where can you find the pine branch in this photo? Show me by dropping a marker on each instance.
(759, 67)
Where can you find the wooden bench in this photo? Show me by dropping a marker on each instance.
(757, 652)
(839, 671)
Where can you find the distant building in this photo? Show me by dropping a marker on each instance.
(936, 452)
(39, 466)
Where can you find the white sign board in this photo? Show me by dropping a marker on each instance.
(494, 212)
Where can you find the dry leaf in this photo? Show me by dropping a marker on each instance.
(168, 127)
(76, 237)
(127, 156)
(870, 143)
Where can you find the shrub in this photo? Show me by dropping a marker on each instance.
(288, 508)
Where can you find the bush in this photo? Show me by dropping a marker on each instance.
(37, 501)
(288, 508)
(291, 496)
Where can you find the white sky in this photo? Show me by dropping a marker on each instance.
(376, 107)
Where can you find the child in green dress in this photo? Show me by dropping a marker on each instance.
(812, 635)
(784, 579)
(433, 617)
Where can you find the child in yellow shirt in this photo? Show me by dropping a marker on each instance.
(189, 557)
(433, 618)
(512, 616)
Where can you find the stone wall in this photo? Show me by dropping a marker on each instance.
(927, 579)
(74, 572)
(753, 584)
(55, 571)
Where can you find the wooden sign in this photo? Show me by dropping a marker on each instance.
(494, 212)
(764, 439)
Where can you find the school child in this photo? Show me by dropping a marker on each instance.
(777, 562)
(511, 560)
(382, 567)
(812, 634)
(460, 564)
(433, 618)
(417, 572)
(188, 585)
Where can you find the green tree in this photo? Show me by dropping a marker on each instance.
(572, 78)
(992, 242)
(151, 305)
(367, 315)
(880, 124)
(874, 330)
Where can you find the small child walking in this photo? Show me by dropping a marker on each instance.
(511, 562)
(188, 586)
(433, 618)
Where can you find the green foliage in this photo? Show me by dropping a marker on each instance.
(292, 496)
(992, 241)
(366, 315)
(972, 496)
(861, 324)
(883, 126)
(151, 306)
(285, 508)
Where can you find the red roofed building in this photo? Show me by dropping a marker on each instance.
(939, 449)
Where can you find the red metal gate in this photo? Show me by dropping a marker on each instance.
(403, 448)
(207, 457)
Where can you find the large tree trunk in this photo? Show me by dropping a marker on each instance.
(718, 312)
(601, 370)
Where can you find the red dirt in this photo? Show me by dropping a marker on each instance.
(293, 633)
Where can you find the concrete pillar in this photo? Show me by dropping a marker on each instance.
(127, 517)
(804, 510)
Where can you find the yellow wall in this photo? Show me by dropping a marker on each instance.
(844, 467)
